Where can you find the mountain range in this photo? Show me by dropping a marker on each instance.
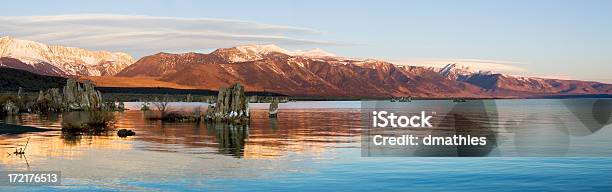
(270, 68)
(58, 60)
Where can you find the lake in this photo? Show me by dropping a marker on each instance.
(311, 146)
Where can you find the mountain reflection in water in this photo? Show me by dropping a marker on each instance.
(316, 146)
(294, 131)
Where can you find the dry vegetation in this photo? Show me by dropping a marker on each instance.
(134, 82)
(99, 121)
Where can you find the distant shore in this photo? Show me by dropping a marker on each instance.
(131, 94)
(140, 91)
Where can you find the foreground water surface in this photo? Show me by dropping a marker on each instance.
(310, 146)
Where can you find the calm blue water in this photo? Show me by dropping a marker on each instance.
(311, 147)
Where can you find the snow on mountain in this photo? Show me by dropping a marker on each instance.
(273, 69)
(256, 52)
(282, 73)
(454, 71)
(246, 53)
(314, 53)
(72, 61)
(505, 83)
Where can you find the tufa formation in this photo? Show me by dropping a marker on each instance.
(73, 98)
(231, 106)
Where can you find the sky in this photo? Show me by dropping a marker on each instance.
(555, 39)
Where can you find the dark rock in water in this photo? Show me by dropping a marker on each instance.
(125, 133)
(459, 100)
(273, 110)
(232, 106)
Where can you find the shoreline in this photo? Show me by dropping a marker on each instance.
(132, 94)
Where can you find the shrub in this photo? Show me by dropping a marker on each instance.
(145, 106)
(175, 117)
(98, 121)
(101, 119)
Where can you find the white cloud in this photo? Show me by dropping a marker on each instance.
(138, 34)
(498, 66)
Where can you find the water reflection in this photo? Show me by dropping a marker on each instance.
(52, 121)
(305, 147)
(317, 130)
(231, 138)
(297, 131)
(71, 139)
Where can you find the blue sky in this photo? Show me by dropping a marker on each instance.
(565, 39)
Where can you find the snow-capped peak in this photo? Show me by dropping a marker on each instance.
(456, 71)
(71, 60)
(27, 51)
(245, 53)
(261, 49)
(316, 53)
(452, 68)
(6, 38)
(271, 48)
